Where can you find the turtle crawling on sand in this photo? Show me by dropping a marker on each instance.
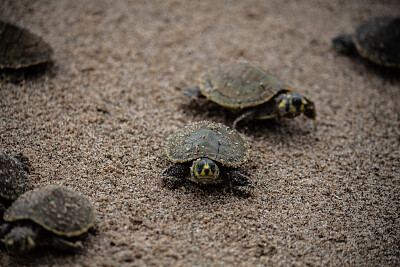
(377, 40)
(20, 49)
(50, 215)
(252, 92)
(207, 153)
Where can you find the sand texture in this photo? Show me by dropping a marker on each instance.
(326, 192)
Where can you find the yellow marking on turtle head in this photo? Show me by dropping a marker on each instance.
(282, 104)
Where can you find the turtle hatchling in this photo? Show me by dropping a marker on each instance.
(20, 49)
(207, 153)
(377, 40)
(46, 216)
(13, 180)
(252, 92)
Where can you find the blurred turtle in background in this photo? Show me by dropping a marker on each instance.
(377, 40)
(47, 216)
(19, 50)
(13, 179)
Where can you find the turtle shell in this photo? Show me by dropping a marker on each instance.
(57, 209)
(379, 40)
(240, 86)
(207, 140)
(13, 178)
(20, 48)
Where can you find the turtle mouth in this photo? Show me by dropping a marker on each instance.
(206, 180)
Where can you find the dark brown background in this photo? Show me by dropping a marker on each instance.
(327, 193)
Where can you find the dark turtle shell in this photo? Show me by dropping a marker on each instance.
(13, 178)
(379, 40)
(57, 209)
(20, 48)
(240, 86)
(207, 140)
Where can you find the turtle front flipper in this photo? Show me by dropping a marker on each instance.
(240, 182)
(175, 175)
(193, 93)
(248, 115)
(4, 229)
(344, 44)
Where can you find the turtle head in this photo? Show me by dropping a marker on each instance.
(20, 240)
(204, 171)
(290, 105)
(344, 44)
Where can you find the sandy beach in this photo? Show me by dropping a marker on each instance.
(326, 192)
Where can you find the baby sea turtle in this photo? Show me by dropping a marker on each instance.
(13, 180)
(252, 91)
(207, 153)
(46, 216)
(377, 40)
(20, 49)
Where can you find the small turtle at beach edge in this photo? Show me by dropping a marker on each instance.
(251, 92)
(377, 40)
(19, 50)
(47, 216)
(207, 153)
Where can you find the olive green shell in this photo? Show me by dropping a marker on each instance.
(57, 209)
(207, 140)
(20, 49)
(13, 178)
(240, 86)
(379, 40)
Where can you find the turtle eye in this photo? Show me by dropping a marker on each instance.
(200, 165)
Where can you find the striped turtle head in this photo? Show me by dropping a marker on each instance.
(204, 171)
(290, 105)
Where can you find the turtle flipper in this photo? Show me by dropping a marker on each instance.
(4, 229)
(193, 93)
(245, 116)
(13, 75)
(62, 244)
(241, 183)
(2, 210)
(175, 175)
(344, 44)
